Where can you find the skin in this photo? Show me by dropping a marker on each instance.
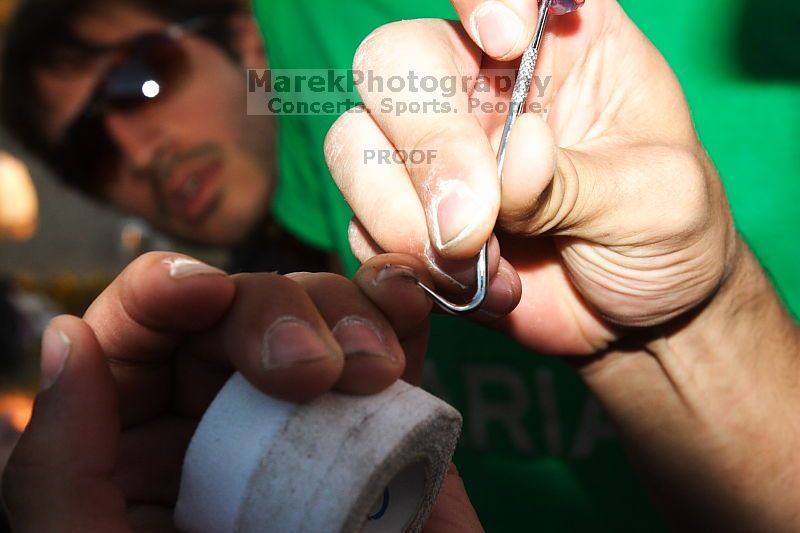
(616, 238)
(610, 218)
(153, 350)
(593, 181)
(168, 139)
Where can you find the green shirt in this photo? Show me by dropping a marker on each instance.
(538, 453)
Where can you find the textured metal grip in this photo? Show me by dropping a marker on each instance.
(525, 76)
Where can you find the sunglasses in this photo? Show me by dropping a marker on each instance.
(149, 69)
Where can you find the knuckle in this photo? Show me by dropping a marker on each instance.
(559, 203)
(556, 206)
(264, 282)
(322, 281)
(381, 46)
(366, 53)
(334, 280)
(336, 142)
(397, 47)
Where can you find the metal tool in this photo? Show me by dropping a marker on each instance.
(522, 88)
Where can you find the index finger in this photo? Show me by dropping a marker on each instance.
(141, 318)
(415, 81)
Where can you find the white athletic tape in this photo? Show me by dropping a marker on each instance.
(338, 464)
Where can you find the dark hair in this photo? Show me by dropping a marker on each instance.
(42, 29)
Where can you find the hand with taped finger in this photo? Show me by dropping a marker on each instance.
(124, 387)
(606, 207)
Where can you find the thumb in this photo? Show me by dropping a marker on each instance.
(58, 478)
(502, 28)
(590, 189)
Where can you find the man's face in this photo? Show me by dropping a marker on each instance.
(192, 162)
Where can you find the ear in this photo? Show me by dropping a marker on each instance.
(247, 42)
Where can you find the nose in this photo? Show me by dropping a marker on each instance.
(137, 138)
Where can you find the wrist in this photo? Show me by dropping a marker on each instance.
(744, 319)
(741, 327)
(709, 400)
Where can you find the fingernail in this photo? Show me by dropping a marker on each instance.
(291, 342)
(389, 272)
(497, 27)
(458, 212)
(359, 337)
(184, 267)
(55, 350)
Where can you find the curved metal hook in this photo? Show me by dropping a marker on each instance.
(522, 88)
(482, 283)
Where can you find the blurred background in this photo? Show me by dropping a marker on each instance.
(58, 250)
